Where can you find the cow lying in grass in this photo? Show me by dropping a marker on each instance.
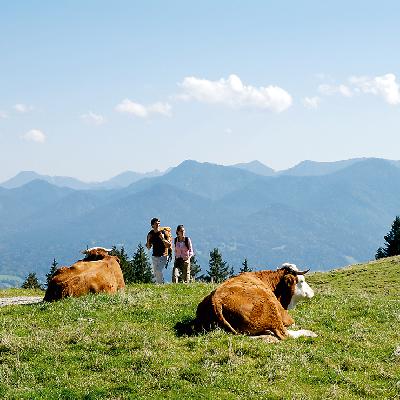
(256, 303)
(98, 272)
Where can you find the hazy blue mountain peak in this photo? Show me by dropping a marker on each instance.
(256, 167)
(316, 168)
(121, 180)
(20, 179)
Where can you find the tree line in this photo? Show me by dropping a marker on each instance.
(138, 268)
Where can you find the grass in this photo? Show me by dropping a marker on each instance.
(126, 347)
(16, 292)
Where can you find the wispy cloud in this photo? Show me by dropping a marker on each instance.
(312, 102)
(330, 90)
(92, 118)
(22, 108)
(384, 86)
(233, 93)
(3, 114)
(139, 110)
(34, 135)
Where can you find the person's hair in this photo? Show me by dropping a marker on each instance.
(154, 220)
(179, 228)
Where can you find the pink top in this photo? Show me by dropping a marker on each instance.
(181, 251)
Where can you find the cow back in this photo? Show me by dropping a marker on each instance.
(246, 304)
(85, 277)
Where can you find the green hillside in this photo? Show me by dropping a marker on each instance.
(126, 346)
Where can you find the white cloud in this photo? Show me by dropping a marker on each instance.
(3, 114)
(35, 135)
(345, 91)
(94, 119)
(128, 106)
(384, 86)
(160, 108)
(330, 90)
(233, 93)
(139, 110)
(312, 102)
(22, 108)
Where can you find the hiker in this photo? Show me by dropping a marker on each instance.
(160, 240)
(183, 253)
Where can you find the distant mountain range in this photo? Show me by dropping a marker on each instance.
(122, 180)
(318, 215)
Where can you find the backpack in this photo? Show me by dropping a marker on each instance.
(167, 232)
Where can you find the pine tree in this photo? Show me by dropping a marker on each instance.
(125, 264)
(392, 239)
(31, 282)
(141, 266)
(380, 253)
(219, 269)
(195, 268)
(52, 271)
(245, 267)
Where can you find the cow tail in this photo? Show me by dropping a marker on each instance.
(218, 310)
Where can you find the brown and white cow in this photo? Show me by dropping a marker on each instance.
(98, 272)
(256, 303)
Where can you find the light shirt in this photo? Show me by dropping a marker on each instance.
(181, 251)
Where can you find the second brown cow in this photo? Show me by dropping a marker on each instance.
(256, 303)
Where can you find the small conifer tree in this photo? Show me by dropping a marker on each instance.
(125, 264)
(31, 282)
(195, 268)
(219, 269)
(141, 266)
(52, 271)
(392, 239)
(245, 267)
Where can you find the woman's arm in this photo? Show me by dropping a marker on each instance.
(191, 252)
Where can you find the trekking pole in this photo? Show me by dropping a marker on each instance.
(168, 260)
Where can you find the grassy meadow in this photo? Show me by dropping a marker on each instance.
(127, 346)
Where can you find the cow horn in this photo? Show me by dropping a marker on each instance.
(302, 272)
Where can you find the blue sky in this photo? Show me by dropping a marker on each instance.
(90, 89)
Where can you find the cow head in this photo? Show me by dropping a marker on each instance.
(301, 289)
(95, 253)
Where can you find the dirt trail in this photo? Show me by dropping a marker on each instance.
(8, 301)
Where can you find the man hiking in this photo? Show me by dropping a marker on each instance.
(160, 240)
